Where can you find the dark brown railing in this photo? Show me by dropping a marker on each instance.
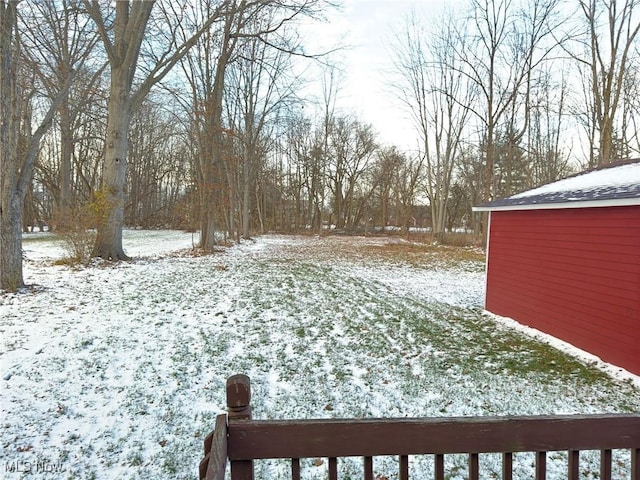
(240, 440)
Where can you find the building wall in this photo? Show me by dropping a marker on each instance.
(572, 273)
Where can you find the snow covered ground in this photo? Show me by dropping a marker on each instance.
(118, 371)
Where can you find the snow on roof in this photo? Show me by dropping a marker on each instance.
(617, 184)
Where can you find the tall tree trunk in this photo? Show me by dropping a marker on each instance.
(208, 223)
(338, 206)
(246, 200)
(606, 142)
(206, 188)
(212, 178)
(122, 37)
(259, 209)
(109, 239)
(12, 200)
(16, 164)
(214, 130)
(438, 217)
(489, 180)
(123, 50)
(11, 241)
(64, 176)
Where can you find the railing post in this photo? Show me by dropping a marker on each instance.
(214, 464)
(239, 408)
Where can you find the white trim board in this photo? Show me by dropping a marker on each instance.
(619, 202)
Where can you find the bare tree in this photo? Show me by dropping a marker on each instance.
(611, 33)
(331, 77)
(548, 156)
(388, 163)
(303, 177)
(63, 39)
(19, 145)
(122, 33)
(470, 180)
(508, 45)
(204, 68)
(158, 169)
(239, 21)
(438, 96)
(406, 189)
(260, 87)
(351, 148)
(631, 110)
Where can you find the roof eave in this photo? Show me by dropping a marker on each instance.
(616, 202)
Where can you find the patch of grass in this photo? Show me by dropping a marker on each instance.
(40, 238)
(423, 254)
(435, 345)
(497, 350)
(520, 354)
(460, 240)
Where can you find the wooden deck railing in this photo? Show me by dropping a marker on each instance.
(240, 440)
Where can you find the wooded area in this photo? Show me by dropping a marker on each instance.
(197, 116)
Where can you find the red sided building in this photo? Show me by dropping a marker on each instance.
(565, 259)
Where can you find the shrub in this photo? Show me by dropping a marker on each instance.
(78, 235)
(79, 231)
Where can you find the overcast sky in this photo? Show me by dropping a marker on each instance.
(368, 26)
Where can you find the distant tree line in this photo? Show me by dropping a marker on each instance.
(158, 114)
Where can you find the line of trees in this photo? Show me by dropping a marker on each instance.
(158, 114)
(493, 95)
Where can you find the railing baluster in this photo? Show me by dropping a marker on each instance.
(635, 464)
(404, 467)
(541, 465)
(605, 465)
(295, 469)
(368, 468)
(474, 466)
(439, 467)
(574, 464)
(507, 466)
(333, 468)
(241, 470)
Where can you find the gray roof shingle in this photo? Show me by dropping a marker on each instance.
(615, 184)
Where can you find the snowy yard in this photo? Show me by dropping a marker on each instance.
(118, 371)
